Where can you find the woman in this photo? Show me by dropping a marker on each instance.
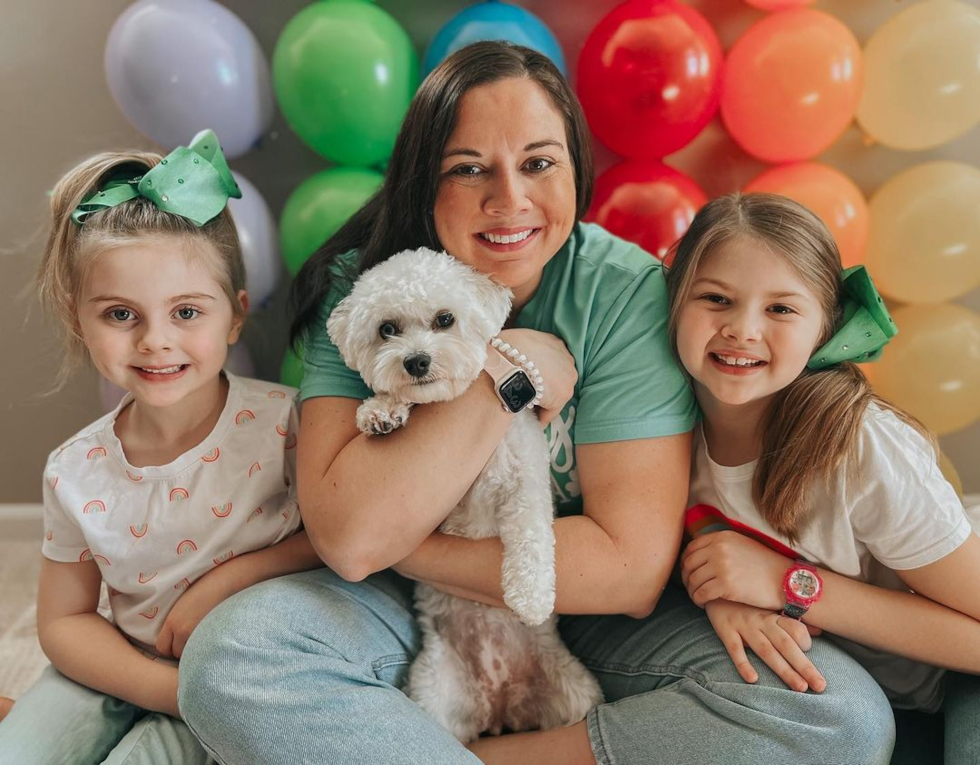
(493, 165)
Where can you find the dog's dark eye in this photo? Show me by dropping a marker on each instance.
(388, 329)
(445, 319)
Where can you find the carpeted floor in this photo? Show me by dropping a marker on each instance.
(21, 660)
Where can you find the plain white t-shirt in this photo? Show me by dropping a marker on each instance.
(153, 531)
(891, 509)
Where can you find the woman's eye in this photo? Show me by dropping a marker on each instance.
(468, 171)
(120, 314)
(187, 313)
(388, 329)
(539, 164)
(445, 319)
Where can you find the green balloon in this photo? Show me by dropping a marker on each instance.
(291, 371)
(318, 207)
(344, 73)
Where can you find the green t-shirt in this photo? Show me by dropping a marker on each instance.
(607, 299)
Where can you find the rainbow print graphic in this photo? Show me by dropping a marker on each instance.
(282, 429)
(245, 415)
(101, 560)
(113, 592)
(254, 514)
(222, 512)
(183, 584)
(86, 555)
(212, 455)
(186, 546)
(96, 452)
(139, 531)
(134, 478)
(276, 394)
(144, 578)
(49, 536)
(149, 613)
(291, 441)
(285, 514)
(222, 558)
(256, 467)
(52, 482)
(95, 506)
(178, 494)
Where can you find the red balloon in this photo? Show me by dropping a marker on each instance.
(647, 203)
(649, 77)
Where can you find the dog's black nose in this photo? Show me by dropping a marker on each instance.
(417, 365)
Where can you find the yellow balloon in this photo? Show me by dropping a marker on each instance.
(922, 76)
(950, 474)
(924, 240)
(932, 367)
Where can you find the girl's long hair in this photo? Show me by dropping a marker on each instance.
(811, 426)
(399, 215)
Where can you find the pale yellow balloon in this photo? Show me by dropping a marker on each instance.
(924, 238)
(950, 474)
(931, 368)
(922, 76)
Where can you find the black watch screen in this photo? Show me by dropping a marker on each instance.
(517, 391)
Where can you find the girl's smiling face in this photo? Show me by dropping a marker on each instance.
(748, 326)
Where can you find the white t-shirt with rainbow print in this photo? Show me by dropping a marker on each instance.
(153, 531)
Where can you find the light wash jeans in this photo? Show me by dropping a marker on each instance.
(59, 722)
(307, 669)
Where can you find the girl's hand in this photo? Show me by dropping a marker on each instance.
(196, 602)
(731, 566)
(776, 639)
(555, 363)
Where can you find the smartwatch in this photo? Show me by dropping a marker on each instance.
(514, 388)
(802, 587)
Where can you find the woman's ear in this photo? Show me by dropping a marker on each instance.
(238, 318)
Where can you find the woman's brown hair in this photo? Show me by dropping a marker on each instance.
(811, 426)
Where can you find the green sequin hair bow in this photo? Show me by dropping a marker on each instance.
(193, 182)
(865, 328)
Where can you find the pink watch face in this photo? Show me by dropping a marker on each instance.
(804, 584)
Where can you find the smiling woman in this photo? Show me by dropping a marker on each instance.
(493, 165)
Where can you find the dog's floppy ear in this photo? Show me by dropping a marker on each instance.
(338, 326)
(495, 301)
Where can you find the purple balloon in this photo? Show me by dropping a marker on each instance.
(175, 67)
(260, 243)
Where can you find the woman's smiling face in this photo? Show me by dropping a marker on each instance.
(506, 198)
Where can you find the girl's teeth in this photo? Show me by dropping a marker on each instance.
(167, 371)
(507, 239)
(739, 361)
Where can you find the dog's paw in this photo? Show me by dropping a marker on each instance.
(377, 417)
(532, 607)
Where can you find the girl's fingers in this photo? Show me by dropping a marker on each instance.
(736, 649)
(707, 592)
(165, 641)
(765, 650)
(794, 656)
(796, 630)
(692, 560)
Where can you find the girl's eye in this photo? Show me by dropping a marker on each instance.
(539, 164)
(782, 309)
(444, 320)
(717, 299)
(187, 313)
(388, 329)
(120, 314)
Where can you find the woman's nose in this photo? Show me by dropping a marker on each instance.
(508, 194)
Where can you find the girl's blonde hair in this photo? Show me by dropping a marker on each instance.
(71, 249)
(811, 426)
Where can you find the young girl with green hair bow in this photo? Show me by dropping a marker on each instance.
(815, 505)
(181, 496)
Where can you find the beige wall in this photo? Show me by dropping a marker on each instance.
(56, 109)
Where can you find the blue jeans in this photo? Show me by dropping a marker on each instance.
(59, 721)
(307, 669)
(951, 737)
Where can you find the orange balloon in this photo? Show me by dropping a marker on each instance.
(791, 85)
(778, 5)
(828, 193)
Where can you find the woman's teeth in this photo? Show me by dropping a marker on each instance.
(164, 371)
(508, 238)
(736, 361)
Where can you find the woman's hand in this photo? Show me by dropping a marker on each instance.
(556, 364)
(776, 639)
(731, 566)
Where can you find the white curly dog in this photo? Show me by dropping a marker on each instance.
(417, 327)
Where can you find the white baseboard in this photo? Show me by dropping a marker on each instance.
(20, 512)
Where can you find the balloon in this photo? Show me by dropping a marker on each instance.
(493, 21)
(175, 67)
(344, 73)
(291, 371)
(239, 361)
(791, 85)
(828, 193)
(649, 77)
(924, 245)
(318, 207)
(778, 5)
(647, 203)
(932, 367)
(922, 76)
(260, 245)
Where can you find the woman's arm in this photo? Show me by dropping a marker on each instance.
(368, 501)
(86, 648)
(220, 583)
(615, 558)
(937, 624)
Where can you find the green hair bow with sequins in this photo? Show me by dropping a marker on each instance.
(193, 182)
(866, 327)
